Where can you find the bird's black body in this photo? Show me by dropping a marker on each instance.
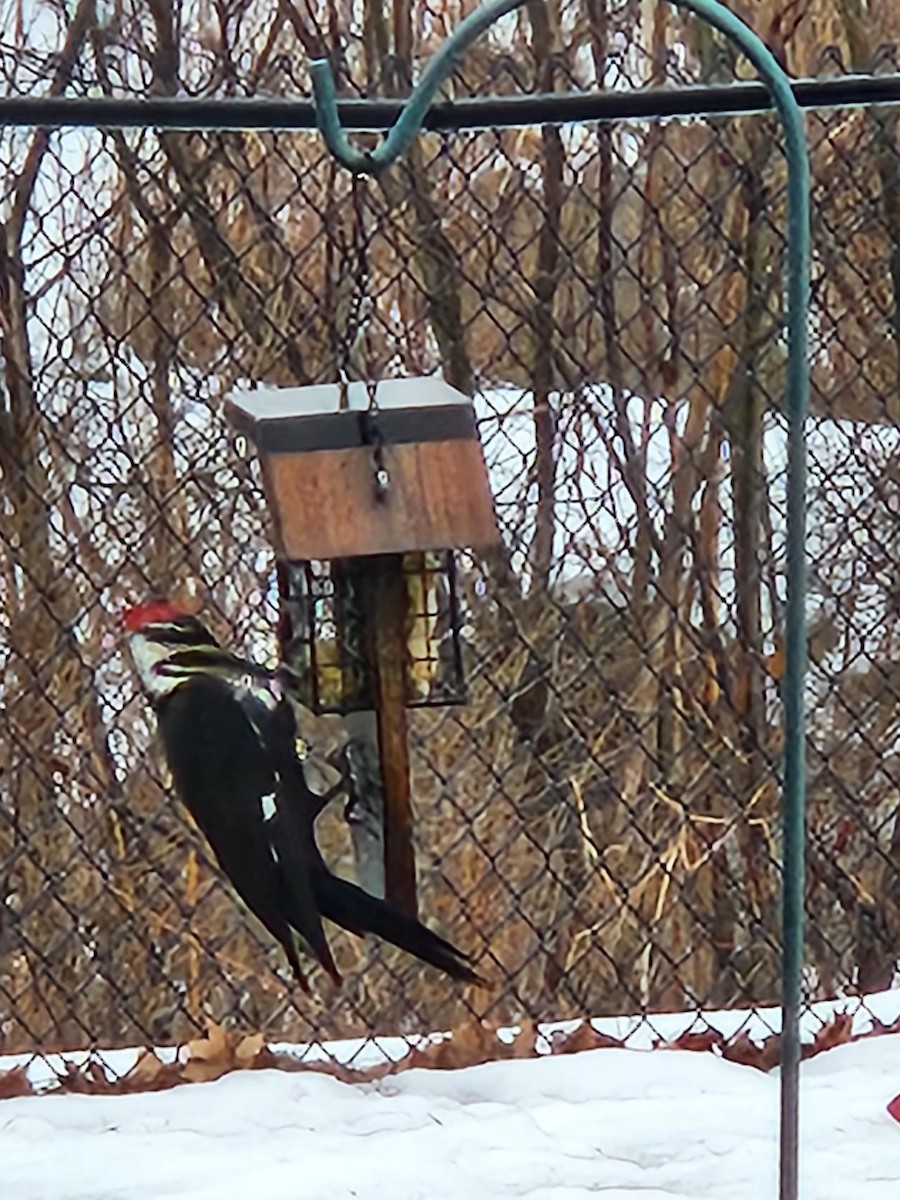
(222, 769)
(232, 755)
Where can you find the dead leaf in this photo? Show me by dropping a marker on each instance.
(268, 1060)
(879, 1028)
(249, 1048)
(211, 1057)
(748, 1053)
(90, 1079)
(697, 1040)
(150, 1073)
(524, 1044)
(15, 1083)
(151, 1078)
(147, 1067)
(467, 1046)
(199, 1070)
(837, 1032)
(212, 1047)
(584, 1037)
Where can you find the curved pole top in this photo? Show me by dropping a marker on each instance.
(442, 63)
(409, 123)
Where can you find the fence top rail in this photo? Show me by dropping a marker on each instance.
(360, 115)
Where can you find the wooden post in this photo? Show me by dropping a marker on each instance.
(388, 658)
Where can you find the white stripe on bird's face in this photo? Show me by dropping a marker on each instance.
(163, 664)
(147, 657)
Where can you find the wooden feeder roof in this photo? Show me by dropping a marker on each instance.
(317, 450)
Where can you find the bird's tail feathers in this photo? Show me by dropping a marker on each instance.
(360, 912)
(311, 938)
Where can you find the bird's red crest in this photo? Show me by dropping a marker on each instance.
(140, 615)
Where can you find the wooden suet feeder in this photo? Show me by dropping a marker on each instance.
(371, 489)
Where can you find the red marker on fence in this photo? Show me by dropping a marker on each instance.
(894, 1108)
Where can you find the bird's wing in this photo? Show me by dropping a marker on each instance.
(289, 827)
(226, 774)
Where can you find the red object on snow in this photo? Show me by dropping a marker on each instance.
(894, 1108)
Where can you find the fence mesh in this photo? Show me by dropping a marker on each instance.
(599, 825)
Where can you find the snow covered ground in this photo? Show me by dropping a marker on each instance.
(621, 1124)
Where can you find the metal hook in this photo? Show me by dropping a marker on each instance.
(404, 130)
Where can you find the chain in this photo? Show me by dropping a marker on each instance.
(358, 357)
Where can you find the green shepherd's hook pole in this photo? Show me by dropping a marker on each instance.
(793, 864)
(396, 143)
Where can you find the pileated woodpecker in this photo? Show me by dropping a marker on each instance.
(231, 750)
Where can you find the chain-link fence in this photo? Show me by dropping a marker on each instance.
(599, 825)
